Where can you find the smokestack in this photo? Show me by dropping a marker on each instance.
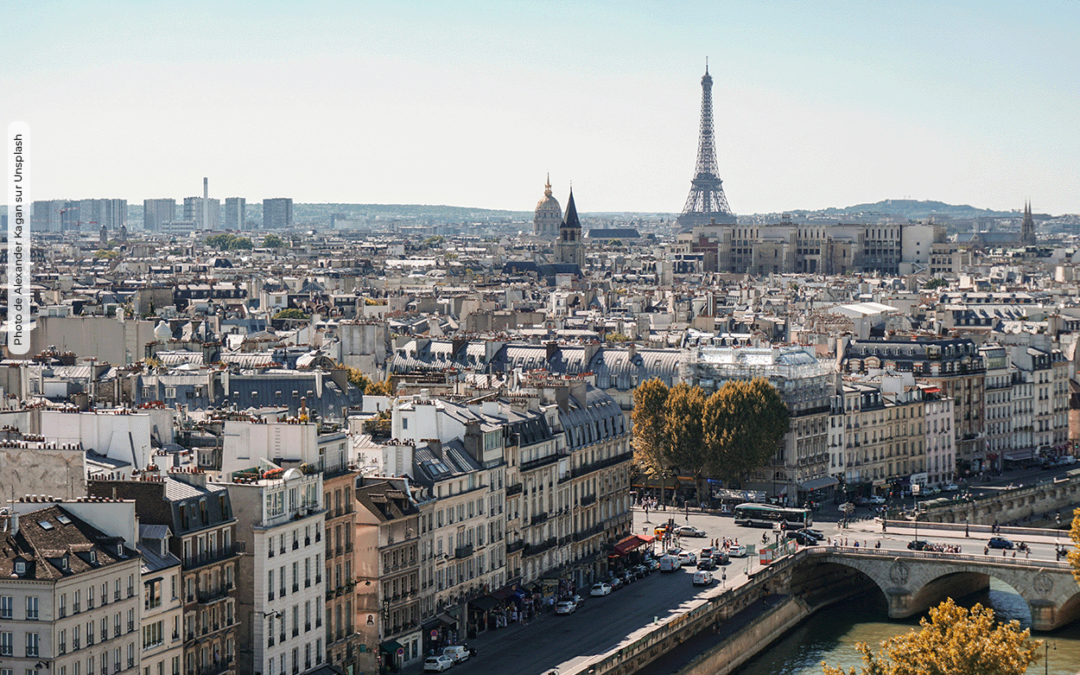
(206, 203)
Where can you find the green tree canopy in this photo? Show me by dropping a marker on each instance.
(650, 445)
(683, 428)
(953, 641)
(934, 283)
(291, 313)
(273, 241)
(744, 424)
(229, 242)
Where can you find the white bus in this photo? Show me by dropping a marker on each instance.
(765, 515)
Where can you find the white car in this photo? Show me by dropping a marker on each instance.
(687, 558)
(600, 590)
(876, 499)
(951, 487)
(737, 551)
(565, 607)
(437, 664)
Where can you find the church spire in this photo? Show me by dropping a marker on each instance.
(571, 219)
(1027, 226)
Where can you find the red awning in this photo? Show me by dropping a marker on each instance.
(646, 538)
(628, 544)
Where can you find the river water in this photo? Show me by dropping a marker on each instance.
(831, 635)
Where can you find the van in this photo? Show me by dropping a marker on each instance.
(670, 563)
(702, 578)
(456, 652)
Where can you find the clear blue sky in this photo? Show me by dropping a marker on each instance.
(817, 104)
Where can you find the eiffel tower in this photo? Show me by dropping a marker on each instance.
(706, 202)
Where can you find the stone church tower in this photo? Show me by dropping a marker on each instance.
(570, 248)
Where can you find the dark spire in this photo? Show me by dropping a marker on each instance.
(571, 219)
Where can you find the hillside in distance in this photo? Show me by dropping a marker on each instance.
(908, 208)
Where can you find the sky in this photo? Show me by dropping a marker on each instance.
(816, 104)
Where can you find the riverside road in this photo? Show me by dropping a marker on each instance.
(552, 642)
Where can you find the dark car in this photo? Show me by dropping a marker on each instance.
(721, 558)
(802, 538)
(862, 501)
(1000, 542)
(816, 534)
(615, 582)
(919, 545)
(706, 563)
(641, 571)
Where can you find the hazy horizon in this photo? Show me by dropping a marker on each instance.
(473, 104)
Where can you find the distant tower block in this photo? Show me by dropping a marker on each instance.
(706, 202)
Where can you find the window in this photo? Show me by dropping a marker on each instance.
(31, 644)
(62, 642)
(152, 594)
(5, 606)
(153, 635)
(6, 648)
(63, 605)
(90, 597)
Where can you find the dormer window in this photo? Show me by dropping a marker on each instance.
(93, 557)
(20, 567)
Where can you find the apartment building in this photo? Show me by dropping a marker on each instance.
(163, 603)
(343, 644)
(939, 443)
(281, 520)
(998, 404)
(203, 531)
(69, 600)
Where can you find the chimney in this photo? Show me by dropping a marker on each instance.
(552, 347)
(631, 352)
(436, 447)
(14, 521)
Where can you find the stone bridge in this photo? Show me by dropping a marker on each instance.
(913, 581)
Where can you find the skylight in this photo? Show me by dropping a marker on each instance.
(45, 525)
(64, 519)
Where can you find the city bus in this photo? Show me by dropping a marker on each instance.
(766, 515)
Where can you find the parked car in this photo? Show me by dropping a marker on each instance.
(615, 582)
(702, 578)
(951, 487)
(458, 653)
(627, 577)
(737, 551)
(1000, 542)
(600, 590)
(802, 538)
(565, 607)
(652, 563)
(918, 545)
(640, 571)
(437, 664)
(689, 531)
(706, 563)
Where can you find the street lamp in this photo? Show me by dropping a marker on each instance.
(1046, 657)
(915, 489)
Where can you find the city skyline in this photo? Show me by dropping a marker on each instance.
(454, 104)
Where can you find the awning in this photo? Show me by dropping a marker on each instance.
(819, 483)
(628, 544)
(390, 646)
(484, 603)
(647, 538)
(1018, 456)
(447, 619)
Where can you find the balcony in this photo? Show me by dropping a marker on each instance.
(208, 558)
(515, 546)
(538, 518)
(539, 462)
(213, 595)
(514, 489)
(589, 532)
(587, 500)
(536, 549)
(463, 551)
(216, 668)
(601, 464)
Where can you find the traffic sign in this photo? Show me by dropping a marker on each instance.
(434, 634)
(401, 651)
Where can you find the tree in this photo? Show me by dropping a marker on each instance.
(683, 429)
(616, 337)
(273, 241)
(650, 445)
(744, 424)
(357, 378)
(1074, 555)
(291, 313)
(934, 283)
(383, 388)
(102, 254)
(953, 641)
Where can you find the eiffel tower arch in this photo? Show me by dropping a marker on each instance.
(706, 202)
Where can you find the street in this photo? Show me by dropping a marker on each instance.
(560, 642)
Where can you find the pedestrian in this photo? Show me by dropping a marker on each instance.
(986, 549)
(1005, 553)
(967, 531)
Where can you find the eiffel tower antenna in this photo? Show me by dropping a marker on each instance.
(706, 202)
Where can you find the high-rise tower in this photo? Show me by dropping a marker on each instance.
(706, 202)
(1027, 227)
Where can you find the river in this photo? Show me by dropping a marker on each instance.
(832, 633)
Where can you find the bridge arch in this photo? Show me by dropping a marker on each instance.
(912, 583)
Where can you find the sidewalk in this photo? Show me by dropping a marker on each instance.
(484, 640)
